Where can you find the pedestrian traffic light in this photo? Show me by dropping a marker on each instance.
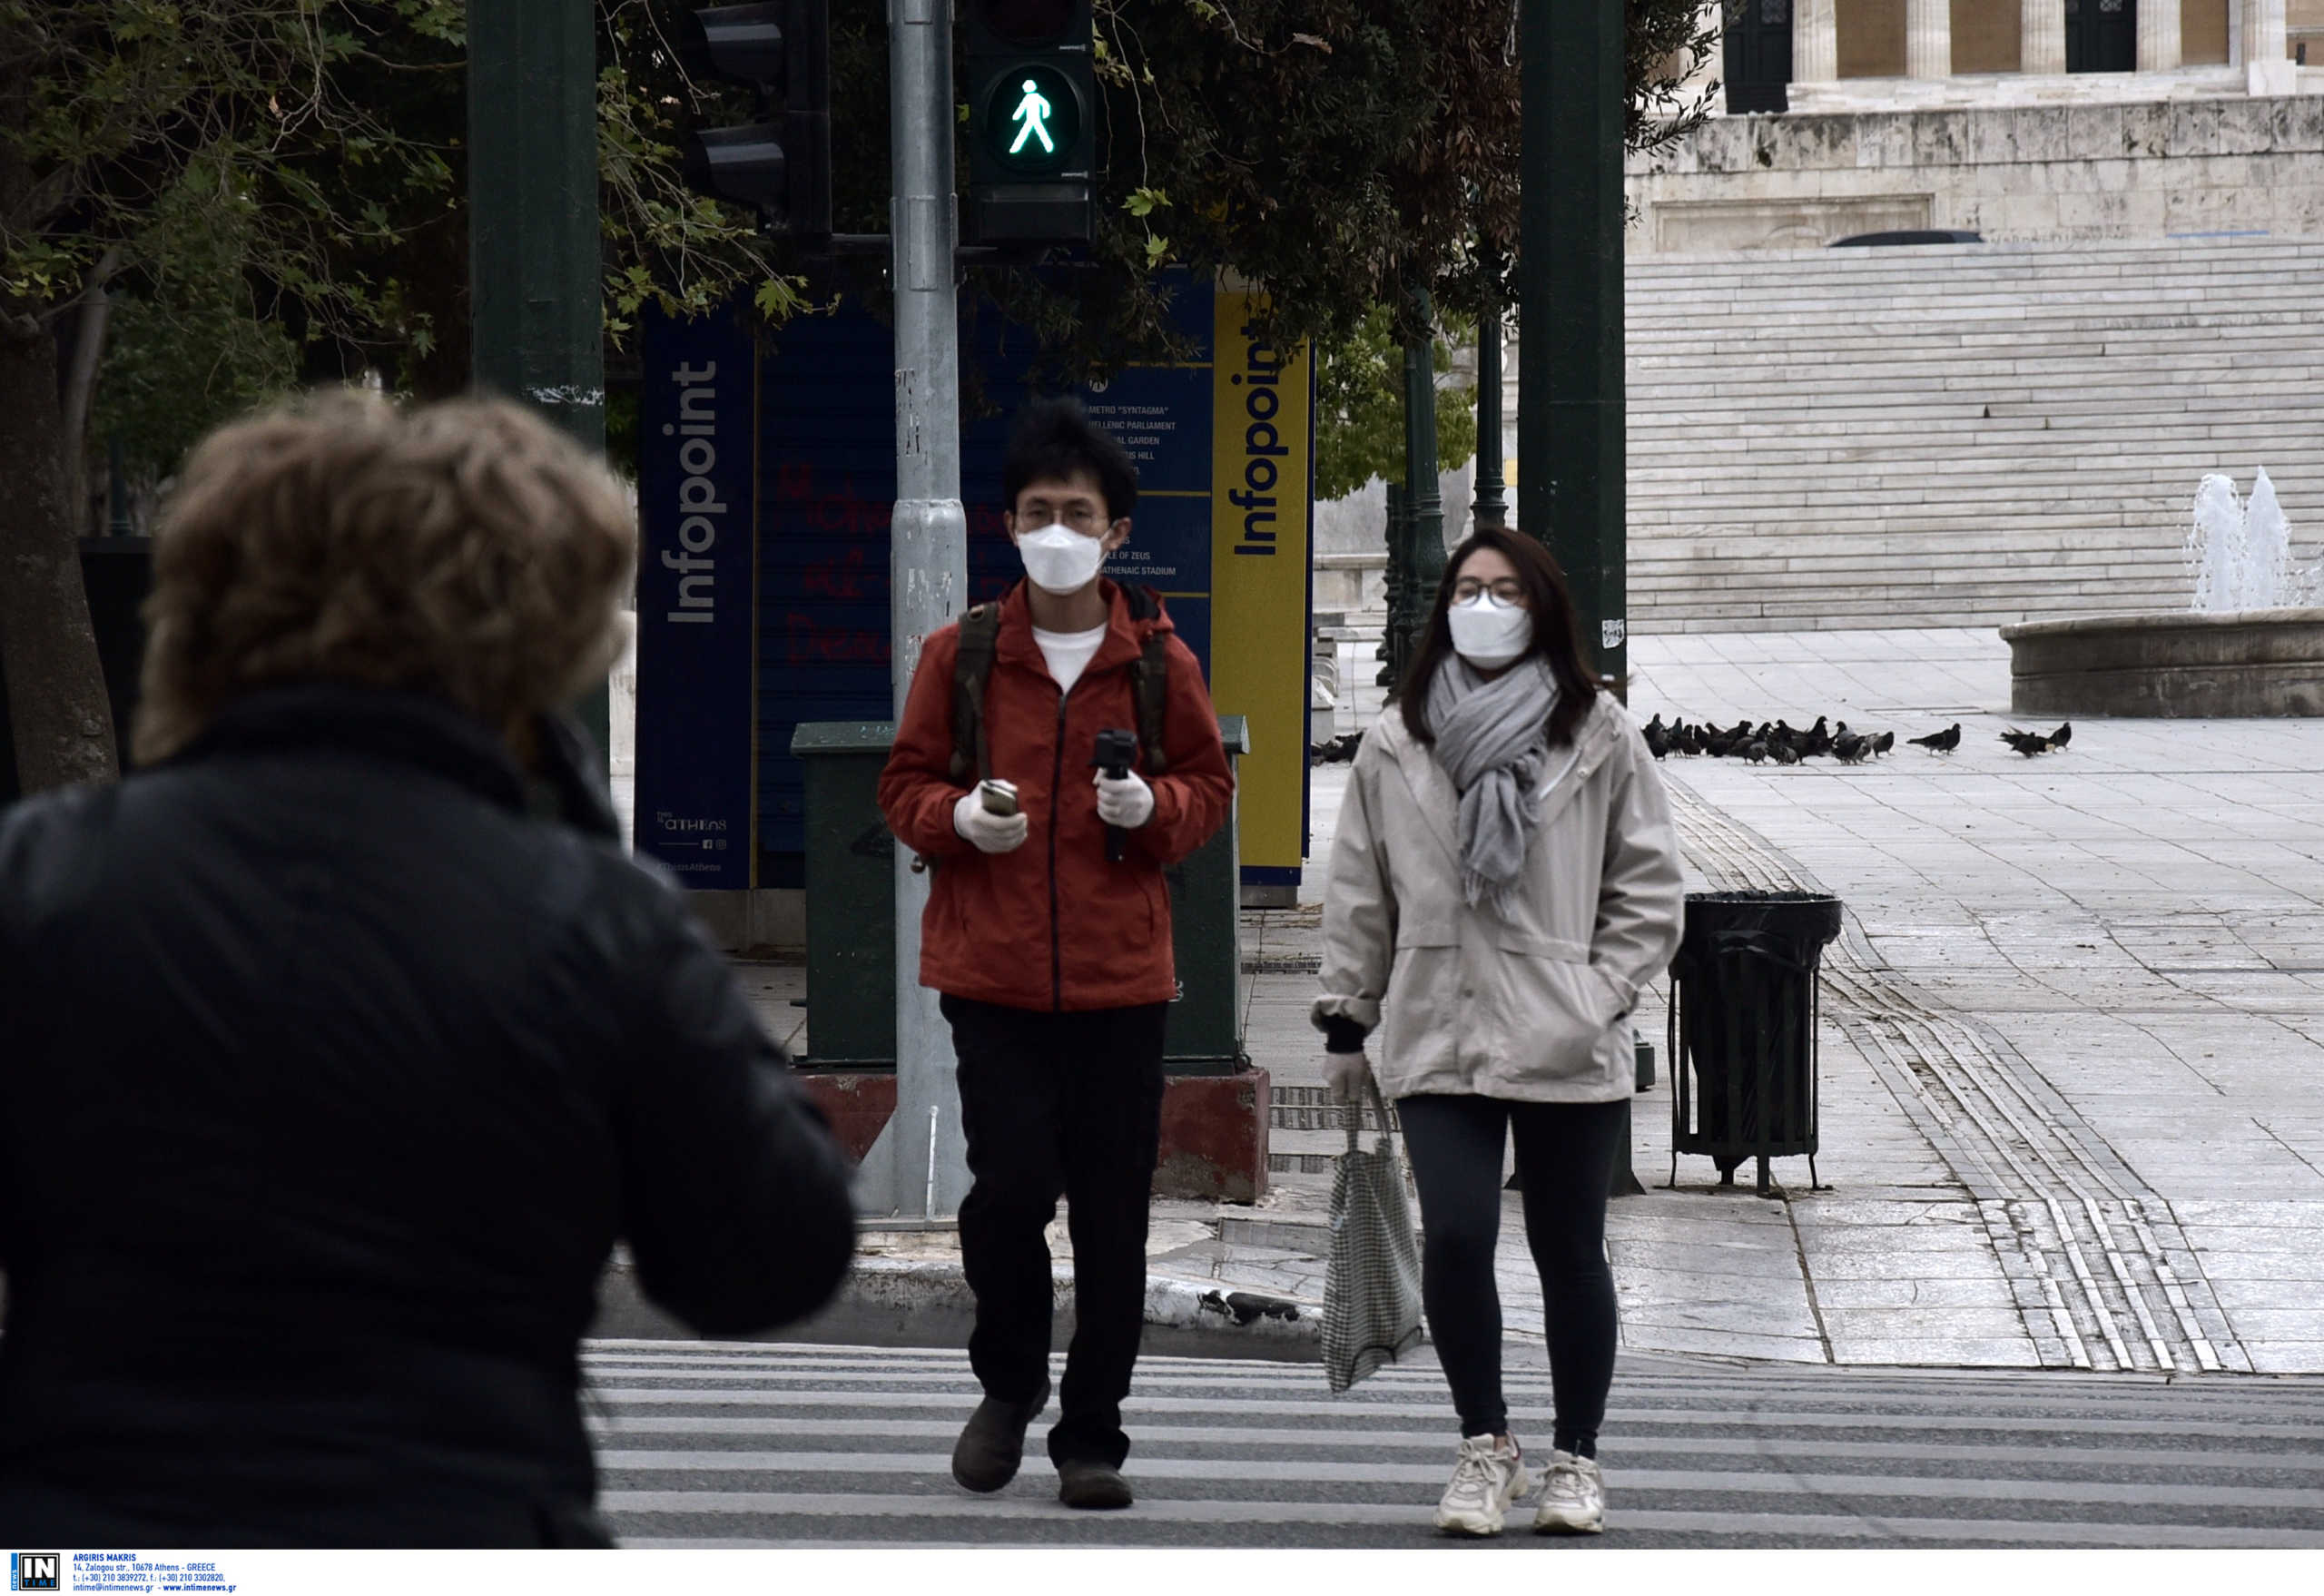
(1032, 121)
(781, 168)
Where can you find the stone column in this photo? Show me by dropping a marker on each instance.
(2267, 60)
(2159, 44)
(1928, 37)
(1815, 41)
(2041, 35)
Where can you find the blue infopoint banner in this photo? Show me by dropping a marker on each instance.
(696, 599)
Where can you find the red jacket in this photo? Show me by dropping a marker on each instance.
(1053, 925)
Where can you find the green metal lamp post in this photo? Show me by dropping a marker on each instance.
(1491, 505)
(1396, 589)
(535, 270)
(1570, 413)
(1423, 507)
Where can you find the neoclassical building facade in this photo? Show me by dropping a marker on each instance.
(1814, 54)
(2028, 122)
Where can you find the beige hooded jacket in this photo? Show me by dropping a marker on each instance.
(1462, 1000)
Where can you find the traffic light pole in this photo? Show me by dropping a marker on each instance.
(928, 559)
(1570, 443)
(534, 263)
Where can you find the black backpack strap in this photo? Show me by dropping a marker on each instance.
(1150, 677)
(972, 667)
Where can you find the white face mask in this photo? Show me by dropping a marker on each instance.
(1489, 634)
(1060, 560)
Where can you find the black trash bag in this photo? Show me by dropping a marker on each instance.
(1743, 1016)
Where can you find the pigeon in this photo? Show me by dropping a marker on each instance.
(1755, 750)
(1851, 749)
(1658, 738)
(1783, 753)
(1944, 742)
(1818, 740)
(2063, 735)
(2029, 743)
(1882, 741)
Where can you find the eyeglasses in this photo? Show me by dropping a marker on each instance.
(1081, 515)
(1508, 590)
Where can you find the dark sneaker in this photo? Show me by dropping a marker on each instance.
(1090, 1485)
(986, 1456)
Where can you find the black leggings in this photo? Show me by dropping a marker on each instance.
(1565, 1162)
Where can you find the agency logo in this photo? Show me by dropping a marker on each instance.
(35, 1570)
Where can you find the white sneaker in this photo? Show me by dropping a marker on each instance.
(1573, 1497)
(1488, 1477)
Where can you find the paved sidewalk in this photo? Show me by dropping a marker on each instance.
(2072, 1049)
(2089, 983)
(2069, 1056)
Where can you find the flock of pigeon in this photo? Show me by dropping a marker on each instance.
(1786, 744)
(1775, 741)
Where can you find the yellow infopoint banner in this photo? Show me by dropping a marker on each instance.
(1262, 472)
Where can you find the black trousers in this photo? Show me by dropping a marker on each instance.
(1059, 1104)
(1565, 1162)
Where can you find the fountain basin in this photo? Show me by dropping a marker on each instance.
(2233, 664)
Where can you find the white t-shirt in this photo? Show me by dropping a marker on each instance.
(1069, 653)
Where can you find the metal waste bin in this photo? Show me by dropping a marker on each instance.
(851, 915)
(851, 896)
(1204, 1035)
(1742, 1033)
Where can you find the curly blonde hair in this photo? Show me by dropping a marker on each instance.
(465, 549)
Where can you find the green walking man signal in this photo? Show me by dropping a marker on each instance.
(1033, 111)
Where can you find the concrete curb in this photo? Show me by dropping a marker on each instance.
(926, 1302)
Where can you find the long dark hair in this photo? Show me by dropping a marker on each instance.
(1556, 634)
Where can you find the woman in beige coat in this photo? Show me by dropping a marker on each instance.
(1505, 883)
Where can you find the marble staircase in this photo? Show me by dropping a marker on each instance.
(1957, 435)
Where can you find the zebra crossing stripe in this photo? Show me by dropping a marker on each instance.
(1152, 1439)
(1225, 1471)
(957, 1398)
(1150, 1511)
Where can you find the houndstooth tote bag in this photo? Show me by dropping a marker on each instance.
(1372, 1289)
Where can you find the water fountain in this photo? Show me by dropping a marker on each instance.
(2251, 644)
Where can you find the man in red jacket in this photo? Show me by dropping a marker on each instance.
(1054, 961)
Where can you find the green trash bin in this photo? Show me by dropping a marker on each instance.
(851, 896)
(1205, 1036)
(851, 915)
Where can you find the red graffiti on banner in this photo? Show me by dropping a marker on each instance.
(807, 641)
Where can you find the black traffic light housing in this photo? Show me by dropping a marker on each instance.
(1032, 87)
(782, 168)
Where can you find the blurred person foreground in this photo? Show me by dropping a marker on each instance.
(343, 1041)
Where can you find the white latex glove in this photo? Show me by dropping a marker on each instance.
(1344, 1074)
(1128, 803)
(986, 831)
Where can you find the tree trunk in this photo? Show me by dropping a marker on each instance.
(56, 687)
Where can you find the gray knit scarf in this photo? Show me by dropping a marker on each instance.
(1492, 740)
